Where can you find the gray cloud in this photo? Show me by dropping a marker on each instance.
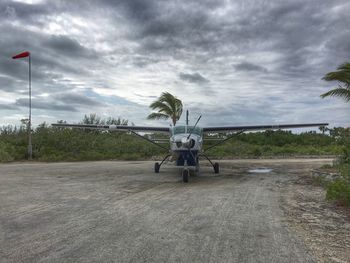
(63, 45)
(77, 99)
(8, 107)
(22, 11)
(45, 105)
(130, 46)
(7, 84)
(59, 102)
(246, 66)
(193, 78)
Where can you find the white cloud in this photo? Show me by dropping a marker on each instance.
(30, 2)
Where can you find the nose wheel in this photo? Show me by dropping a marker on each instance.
(185, 174)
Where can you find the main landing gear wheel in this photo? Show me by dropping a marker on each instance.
(216, 168)
(185, 174)
(156, 167)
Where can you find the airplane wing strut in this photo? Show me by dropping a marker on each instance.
(224, 140)
(149, 140)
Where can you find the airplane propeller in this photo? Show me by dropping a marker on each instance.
(187, 142)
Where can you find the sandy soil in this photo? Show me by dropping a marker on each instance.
(123, 212)
(324, 226)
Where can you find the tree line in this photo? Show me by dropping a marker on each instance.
(60, 144)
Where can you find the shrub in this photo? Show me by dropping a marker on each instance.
(339, 190)
(6, 152)
(256, 151)
(326, 166)
(345, 171)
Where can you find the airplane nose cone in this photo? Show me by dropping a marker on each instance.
(188, 143)
(184, 141)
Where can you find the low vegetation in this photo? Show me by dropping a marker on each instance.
(57, 144)
(339, 190)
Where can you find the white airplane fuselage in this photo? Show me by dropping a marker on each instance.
(185, 145)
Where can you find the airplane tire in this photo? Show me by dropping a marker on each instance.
(156, 167)
(216, 168)
(185, 174)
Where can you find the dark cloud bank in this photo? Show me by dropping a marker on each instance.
(255, 50)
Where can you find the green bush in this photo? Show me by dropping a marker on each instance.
(256, 151)
(7, 152)
(339, 190)
(345, 158)
(345, 171)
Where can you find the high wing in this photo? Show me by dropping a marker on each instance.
(260, 127)
(114, 127)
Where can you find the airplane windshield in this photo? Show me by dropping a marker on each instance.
(182, 129)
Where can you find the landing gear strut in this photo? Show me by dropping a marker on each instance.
(215, 165)
(185, 174)
(157, 165)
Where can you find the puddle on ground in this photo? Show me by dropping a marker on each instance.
(260, 170)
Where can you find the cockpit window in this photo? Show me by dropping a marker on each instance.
(190, 129)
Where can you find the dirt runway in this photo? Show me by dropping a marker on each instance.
(123, 212)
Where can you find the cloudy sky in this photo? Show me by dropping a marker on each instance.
(235, 62)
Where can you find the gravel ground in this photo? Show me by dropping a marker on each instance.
(123, 212)
(324, 226)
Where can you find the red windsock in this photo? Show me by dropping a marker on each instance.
(22, 55)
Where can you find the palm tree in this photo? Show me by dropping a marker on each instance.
(168, 106)
(342, 75)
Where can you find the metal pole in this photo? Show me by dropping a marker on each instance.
(187, 117)
(30, 149)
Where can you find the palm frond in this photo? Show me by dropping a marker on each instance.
(167, 105)
(161, 106)
(168, 99)
(342, 74)
(344, 66)
(157, 116)
(343, 93)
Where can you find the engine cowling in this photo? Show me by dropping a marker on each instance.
(188, 143)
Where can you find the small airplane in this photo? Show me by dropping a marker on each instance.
(186, 141)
